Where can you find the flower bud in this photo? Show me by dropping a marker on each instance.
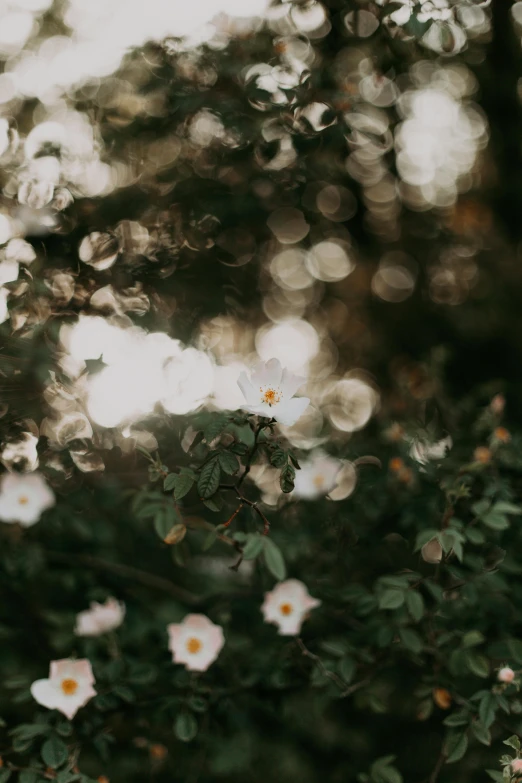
(502, 435)
(482, 454)
(442, 698)
(432, 551)
(516, 766)
(176, 534)
(506, 674)
(497, 404)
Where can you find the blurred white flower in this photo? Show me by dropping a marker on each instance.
(196, 642)
(24, 498)
(423, 451)
(69, 687)
(318, 475)
(100, 618)
(270, 392)
(287, 606)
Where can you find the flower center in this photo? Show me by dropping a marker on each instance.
(69, 686)
(286, 609)
(193, 645)
(270, 396)
(23, 500)
(318, 481)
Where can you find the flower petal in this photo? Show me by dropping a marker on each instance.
(290, 383)
(45, 693)
(248, 390)
(289, 412)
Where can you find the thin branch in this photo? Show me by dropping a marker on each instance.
(437, 768)
(346, 690)
(128, 572)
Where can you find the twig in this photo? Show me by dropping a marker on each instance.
(437, 768)
(129, 572)
(257, 433)
(346, 690)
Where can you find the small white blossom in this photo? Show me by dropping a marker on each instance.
(24, 498)
(100, 618)
(69, 687)
(423, 451)
(196, 642)
(318, 475)
(270, 392)
(287, 606)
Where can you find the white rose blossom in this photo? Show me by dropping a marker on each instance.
(423, 451)
(317, 477)
(69, 686)
(24, 497)
(270, 392)
(100, 618)
(287, 606)
(195, 642)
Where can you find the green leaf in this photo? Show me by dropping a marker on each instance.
(347, 668)
(274, 559)
(215, 427)
(512, 742)
(278, 458)
(27, 776)
(460, 718)
(54, 752)
(164, 521)
(475, 536)
(502, 507)
(208, 481)
(423, 537)
(286, 479)
(30, 730)
(415, 604)
(391, 599)
(5, 774)
(487, 709)
(67, 777)
(495, 775)
(169, 482)
(253, 547)
(477, 663)
(495, 521)
(472, 638)
(411, 639)
(229, 462)
(456, 746)
(481, 732)
(186, 726)
(515, 649)
(215, 503)
(183, 485)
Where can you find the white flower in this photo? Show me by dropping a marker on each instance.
(432, 552)
(68, 688)
(24, 498)
(318, 475)
(423, 451)
(196, 642)
(287, 606)
(270, 392)
(506, 674)
(100, 618)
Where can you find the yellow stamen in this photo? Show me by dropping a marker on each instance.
(193, 645)
(270, 396)
(23, 500)
(286, 609)
(318, 481)
(69, 687)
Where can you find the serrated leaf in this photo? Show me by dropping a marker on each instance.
(229, 462)
(512, 742)
(410, 639)
(186, 726)
(208, 480)
(286, 479)
(456, 746)
(169, 482)
(183, 485)
(278, 458)
(274, 559)
(215, 503)
(495, 521)
(460, 718)
(215, 427)
(253, 547)
(54, 752)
